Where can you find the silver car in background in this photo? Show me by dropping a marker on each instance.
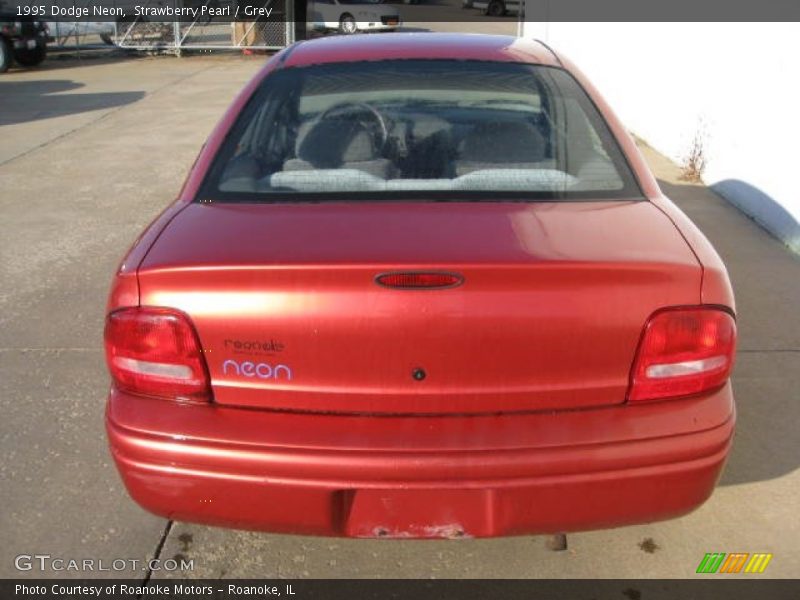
(352, 16)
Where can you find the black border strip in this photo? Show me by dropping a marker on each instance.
(702, 588)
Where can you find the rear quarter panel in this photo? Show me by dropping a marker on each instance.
(715, 285)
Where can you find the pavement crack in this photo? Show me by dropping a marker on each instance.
(63, 135)
(181, 79)
(156, 554)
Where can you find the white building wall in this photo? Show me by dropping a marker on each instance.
(736, 83)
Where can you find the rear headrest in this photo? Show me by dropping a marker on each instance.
(329, 143)
(503, 142)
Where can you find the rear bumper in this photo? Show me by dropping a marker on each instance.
(421, 476)
(379, 25)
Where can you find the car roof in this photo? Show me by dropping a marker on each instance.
(416, 45)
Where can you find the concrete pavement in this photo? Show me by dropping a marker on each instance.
(91, 153)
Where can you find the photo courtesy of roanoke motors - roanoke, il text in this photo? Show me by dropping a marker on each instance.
(150, 589)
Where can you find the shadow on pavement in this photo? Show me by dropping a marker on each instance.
(68, 57)
(25, 101)
(766, 379)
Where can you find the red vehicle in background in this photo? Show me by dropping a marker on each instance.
(420, 285)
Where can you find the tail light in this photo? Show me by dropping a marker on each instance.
(155, 352)
(683, 351)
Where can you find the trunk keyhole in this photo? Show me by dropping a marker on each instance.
(418, 374)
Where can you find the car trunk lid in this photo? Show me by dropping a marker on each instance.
(548, 316)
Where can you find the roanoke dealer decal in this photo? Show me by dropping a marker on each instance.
(259, 362)
(266, 346)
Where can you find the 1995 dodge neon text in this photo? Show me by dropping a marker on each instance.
(420, 285)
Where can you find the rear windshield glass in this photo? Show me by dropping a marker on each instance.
(419, 128)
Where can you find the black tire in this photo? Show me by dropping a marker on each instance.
(32, 57)
(347, 25)
(6, 58)
(496, 8)
(107, 39)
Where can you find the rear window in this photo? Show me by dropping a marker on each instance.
(438, 129)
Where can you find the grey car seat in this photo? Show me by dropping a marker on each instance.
(338, 144)
(502, 146)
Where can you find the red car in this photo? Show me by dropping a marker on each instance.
(420, 285)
